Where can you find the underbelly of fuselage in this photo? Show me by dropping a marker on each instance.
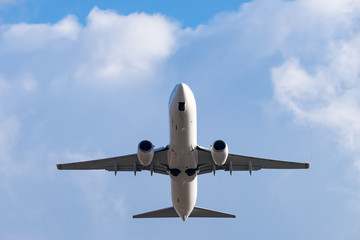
(184, 194)
(183, 180)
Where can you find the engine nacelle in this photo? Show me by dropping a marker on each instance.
(145, 152)
(219, 152)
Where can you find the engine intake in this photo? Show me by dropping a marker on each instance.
(219, 152)
(145, 152)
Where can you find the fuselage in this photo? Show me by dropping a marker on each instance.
(182, 158)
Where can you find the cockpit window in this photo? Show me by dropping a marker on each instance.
(182, 106)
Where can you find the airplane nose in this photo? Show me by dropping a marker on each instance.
(181, 93)
(182, 85)
(181, 89)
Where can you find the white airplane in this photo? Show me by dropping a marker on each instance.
(183, 159)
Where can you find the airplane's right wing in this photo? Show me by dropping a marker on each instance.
(236, 162)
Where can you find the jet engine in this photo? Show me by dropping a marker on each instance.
(145, 152)
(219, 152)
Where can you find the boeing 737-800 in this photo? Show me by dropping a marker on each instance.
(183, 160)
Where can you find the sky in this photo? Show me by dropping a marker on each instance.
(91, 79)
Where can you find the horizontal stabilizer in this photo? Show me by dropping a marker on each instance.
(162, 213)
(197, 212)
(207, 213)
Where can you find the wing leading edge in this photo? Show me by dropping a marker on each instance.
(236, 162)
(122, 163)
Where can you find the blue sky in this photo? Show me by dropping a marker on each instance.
(275, 79)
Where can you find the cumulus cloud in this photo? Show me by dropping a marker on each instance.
(116, 46)
(315, 48)
(24, 37)
(325, 92)
(327, 97)
(109, 49)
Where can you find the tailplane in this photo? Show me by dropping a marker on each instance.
(197, 212)
(207, 213)
(162, 213)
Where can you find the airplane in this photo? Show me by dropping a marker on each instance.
(183, 160)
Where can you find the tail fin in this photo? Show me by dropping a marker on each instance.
(197, 212)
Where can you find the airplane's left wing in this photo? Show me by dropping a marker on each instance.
(122, 163)
(236, 162)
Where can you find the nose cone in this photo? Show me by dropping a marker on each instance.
(182, 86)
(181, 89)
(181, 92)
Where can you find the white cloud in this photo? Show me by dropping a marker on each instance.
(317, 45)
(116, 47)
(325, 90)
(109, 49)
(321, 98)
(24, 37)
